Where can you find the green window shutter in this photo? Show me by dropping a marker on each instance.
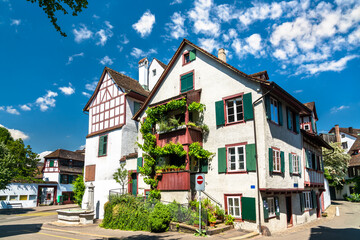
(277, 206)
(282, 158)
(192, 55)
(136, 107)
(271, 161)
(105, 145)
(101, 145)
(322, 165)
(250, 157)
(280, 113)
(51, 164)
(302, 202)
(312, 124)
(139, 163)
(290, 163)
(314, 199)
(219, 111)
(316, 162)
(300, 167)
(61, 178)
(306, 159)
(297, 122)
(222, 160)
(267, 107)
(288, 114)
(248, 109)
(204, 166)
(266, 209)
(248, 210)
(187, 82)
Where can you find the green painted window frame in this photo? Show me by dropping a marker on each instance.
(103, 140)
(185, 80)
(51, 163)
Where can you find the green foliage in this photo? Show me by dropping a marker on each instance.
(7, 163)
(229, 220)
(195, 106)
(121, 176)
(160, 218)
(355, 197)
(50, 7)
(200, 233)
(219, 212)
(335, 164)
(79, 189)
(196, 150)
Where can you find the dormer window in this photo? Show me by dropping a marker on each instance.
(306, 127)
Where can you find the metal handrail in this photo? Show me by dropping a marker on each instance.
(212, 198)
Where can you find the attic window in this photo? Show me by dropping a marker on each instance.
(154, 72)
(189, 56)
(342, 135)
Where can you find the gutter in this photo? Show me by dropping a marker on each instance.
(256, 155)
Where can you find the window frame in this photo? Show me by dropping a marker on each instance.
(236, 146)
(308, 204)
(107, 138)
(6, 197)
(186, 53)
(273, 100)
(193, 81)
(229, 98)
(271, 206)
(22, 196)
(307, 125)
(295, 158)
(344, 143)
(276, 150)
(227, 204)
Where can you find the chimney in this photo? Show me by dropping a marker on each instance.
(143, 73)
(351, 130)
(222, 54)
(337, 133)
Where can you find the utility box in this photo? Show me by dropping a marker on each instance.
(60, 199)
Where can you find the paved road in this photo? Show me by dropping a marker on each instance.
(346, 226)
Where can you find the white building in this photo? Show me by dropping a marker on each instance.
(275, 193)
(19, 195)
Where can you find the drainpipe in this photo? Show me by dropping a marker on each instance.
(256, 156)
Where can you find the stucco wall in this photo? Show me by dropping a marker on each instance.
(28, 189)
(153, 79)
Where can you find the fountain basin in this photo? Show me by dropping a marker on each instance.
(75, 216)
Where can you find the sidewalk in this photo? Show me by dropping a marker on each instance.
(36, 209)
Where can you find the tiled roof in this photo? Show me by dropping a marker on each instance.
(316, 139)
(354, 132)
(65, 169)
(260, 74)
(142, 60)
(311, 106)
(355, 160)
(163, 65)
(66, 154)
(356, 145)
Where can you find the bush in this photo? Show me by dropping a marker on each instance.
(355, 197)
(79, 189)
(160, 218)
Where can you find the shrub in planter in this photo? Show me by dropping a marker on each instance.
(159, 219)
(229, 220)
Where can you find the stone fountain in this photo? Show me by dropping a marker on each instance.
(84, 215)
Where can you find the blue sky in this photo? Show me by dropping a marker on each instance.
(310, 48)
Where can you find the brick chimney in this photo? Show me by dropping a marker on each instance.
(351, 130)
(337, 133)
(222, 54)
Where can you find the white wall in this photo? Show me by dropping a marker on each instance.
(347, 138)
(327, 200)
(154, 78)
(17, 189)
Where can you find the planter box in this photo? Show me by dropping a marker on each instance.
(172, 181)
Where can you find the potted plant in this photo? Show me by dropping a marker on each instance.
(212, 220)
(229, 220)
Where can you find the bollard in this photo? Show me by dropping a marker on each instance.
(337, 212)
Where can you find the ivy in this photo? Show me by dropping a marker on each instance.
(196, 150)
(195, 106)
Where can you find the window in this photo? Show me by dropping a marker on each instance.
(13, 198)
(306, 127)
(295, 163)
(307, 199)
(344, 145)
(276, 161)
(51, 163)
(186, 58)
(23, 197)
(187, 82)
(103, 145)
(136, 107)
(233, 206)
(342, 135)
(234, 110)
(189, 56)
(154, 72)
(32, 197)
(292, 120)
(271, 205)
(236, 158)
(274, 109)
(3, 198)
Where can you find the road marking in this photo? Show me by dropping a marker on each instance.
(50, 235)
(75, 232)
(38, 214)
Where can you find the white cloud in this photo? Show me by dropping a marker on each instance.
(137, 53)
(82, 34)
(209, 44)
(46, 101)
(71, 58)
(86, 94)
(176, 2)
(337, 109)
(12, 110)
(200, 15)
(232, 34)
(176, 27)
(2, 108)
(67, 90)
(15, 22)
(104, 34)
(145, 24)
(43, 154)
(298, 91)
(106, 60)
(91, 86)
(334, 65)
(95, 16)
(124, 40)
(225, 12)
(25, 107)
(354, 37)
(250, 45)
(16, 134)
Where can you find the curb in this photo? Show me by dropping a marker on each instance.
(76, 232)
(246, 236)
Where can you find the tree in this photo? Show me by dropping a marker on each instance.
(336, 164)
(79, 189)
(7, 163)
(122, 177)
(51, 6)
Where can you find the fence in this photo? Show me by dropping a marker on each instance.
(117, 192)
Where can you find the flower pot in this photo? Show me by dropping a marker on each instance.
(212, 224)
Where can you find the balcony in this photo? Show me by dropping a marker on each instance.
(313, 178)
(183, 135)
(174, 181)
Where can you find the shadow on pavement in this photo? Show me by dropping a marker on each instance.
(15, 211)
(144, 236)
(327, 233)
(18, 230)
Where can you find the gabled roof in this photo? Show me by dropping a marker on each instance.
(65, 154)
(311, 106)
(350, 131)
(128, 84)
(315, 139)
(172, 61)
(163, 65)
(261, 75)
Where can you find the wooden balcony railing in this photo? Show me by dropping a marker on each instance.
(172, 181)
(185, 135)
(313, 177)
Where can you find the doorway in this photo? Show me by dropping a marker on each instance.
(318, 209)
(288, 211)
(133, 184)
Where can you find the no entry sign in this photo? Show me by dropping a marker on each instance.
(200, 182)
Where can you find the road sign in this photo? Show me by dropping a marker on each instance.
(200, 182)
